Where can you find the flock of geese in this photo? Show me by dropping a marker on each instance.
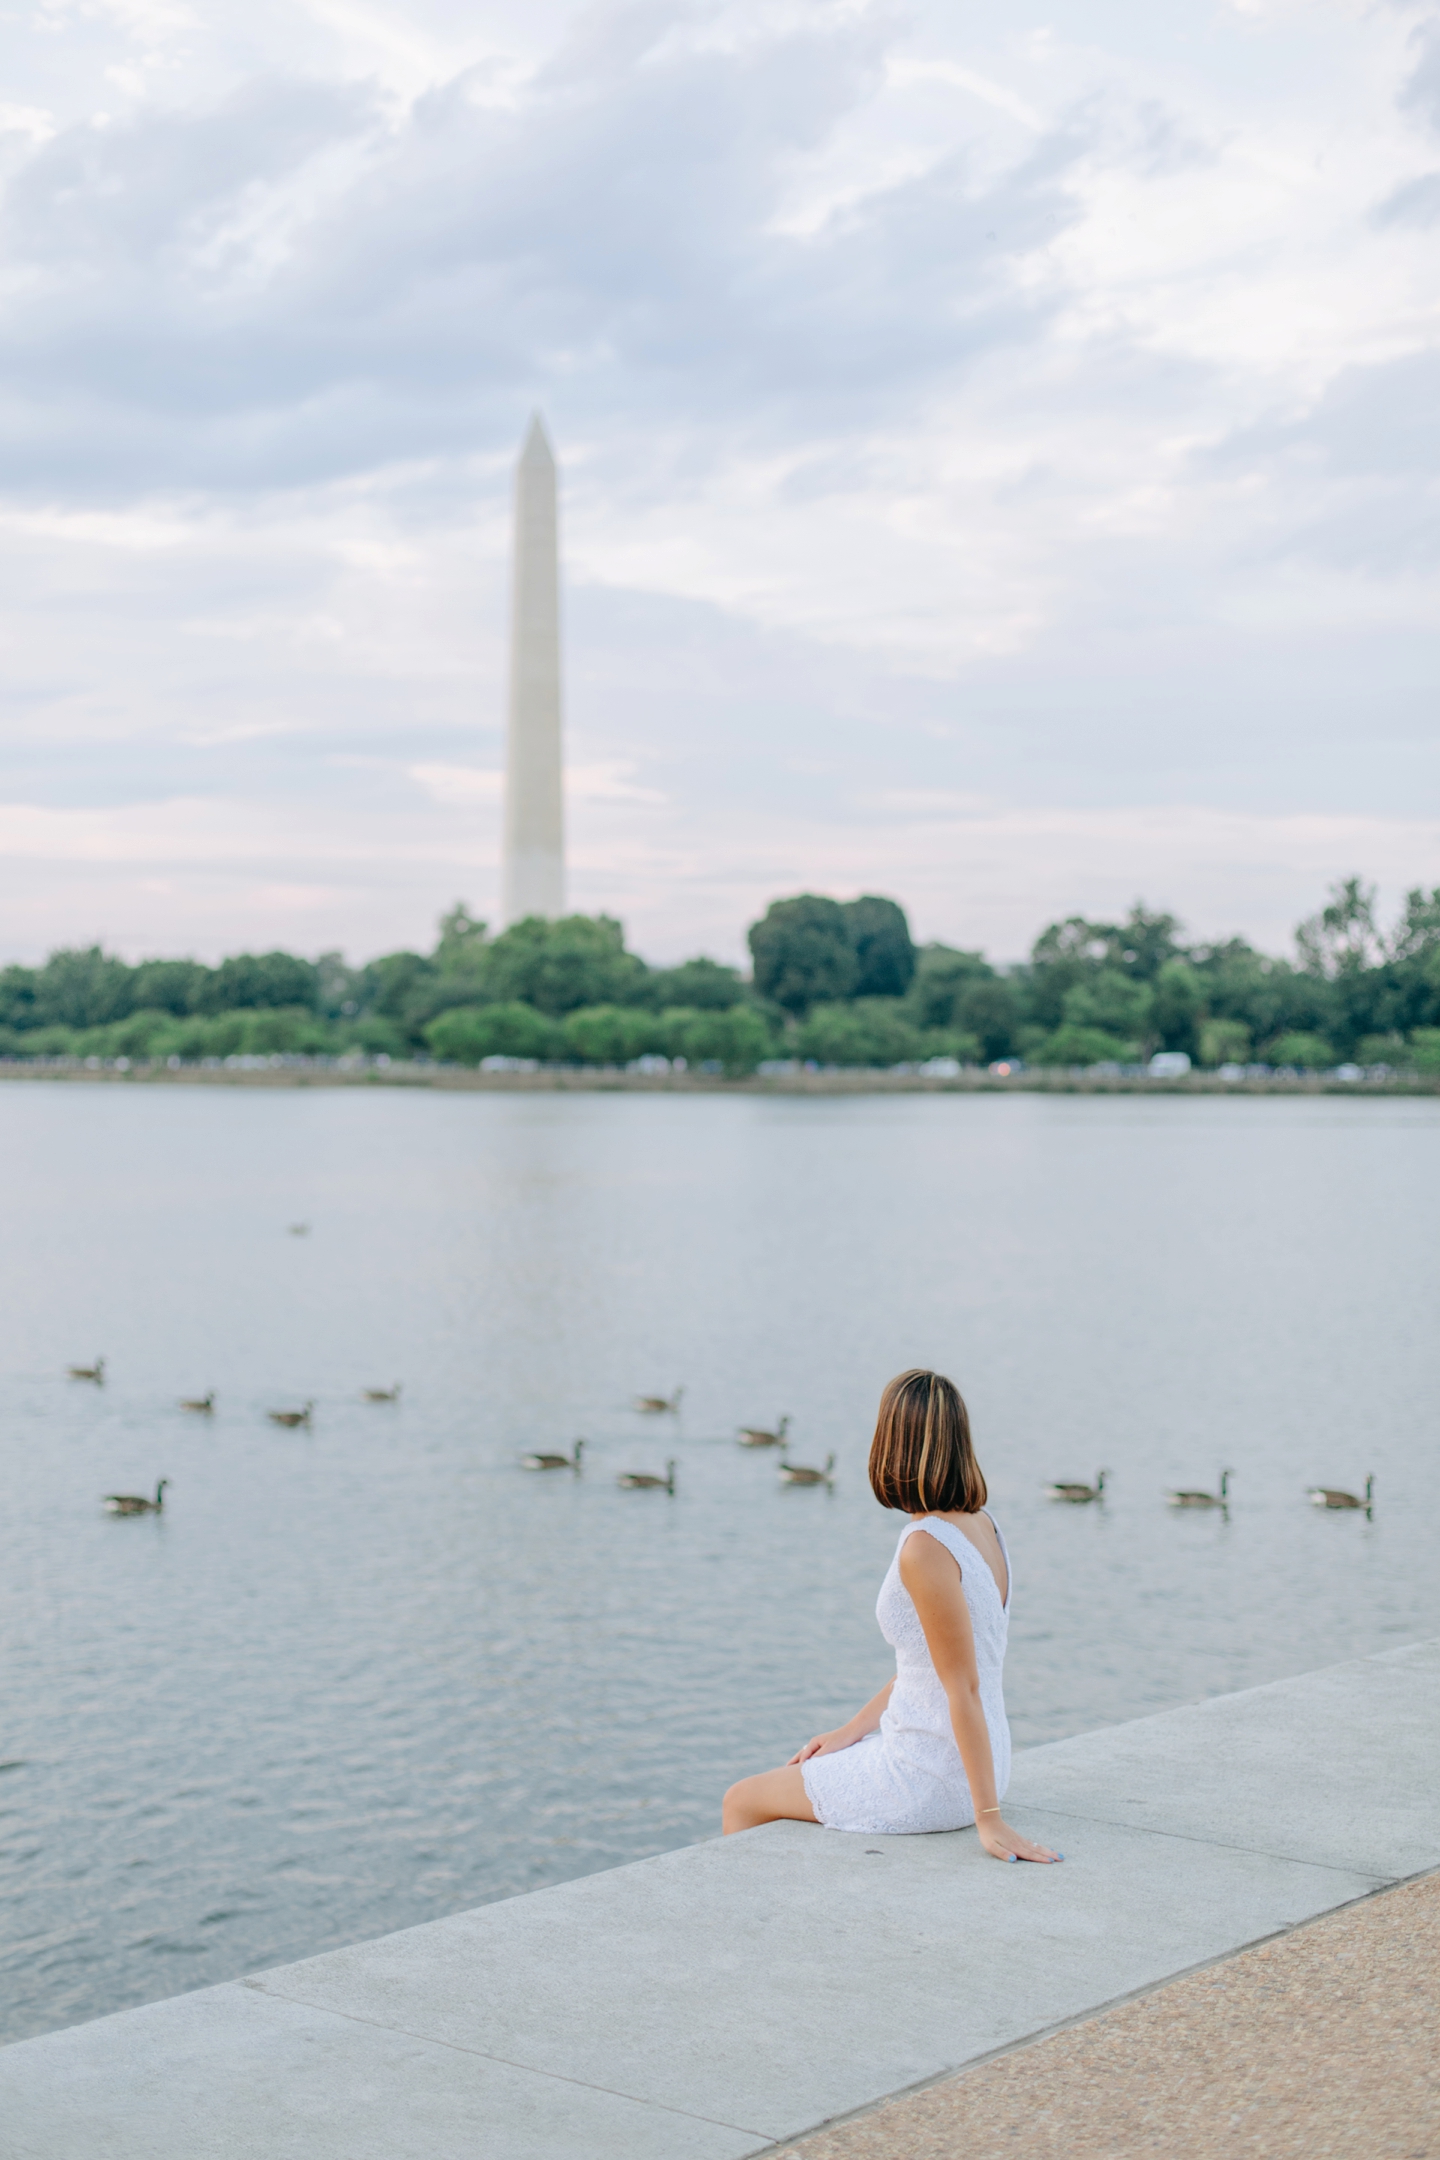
(1321, 1496)
(204, 1406)
(748, 1436)
(1070, 1490)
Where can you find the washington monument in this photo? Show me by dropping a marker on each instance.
(534, 872)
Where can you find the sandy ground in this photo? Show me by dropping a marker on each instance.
(1324, 2042)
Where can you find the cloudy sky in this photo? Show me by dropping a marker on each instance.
(999, 458)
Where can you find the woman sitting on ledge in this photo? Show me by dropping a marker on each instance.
(932, 1750)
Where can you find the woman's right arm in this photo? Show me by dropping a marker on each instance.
(864, 1721)
(931, 1574)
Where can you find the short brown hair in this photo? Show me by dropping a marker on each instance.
(922, 1460)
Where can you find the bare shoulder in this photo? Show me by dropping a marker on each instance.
(923, 1559)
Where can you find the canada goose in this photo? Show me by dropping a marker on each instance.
(1079, 1494)
(204, 1403)
(1328, 1496)
(796, 1473)
(1204, 1499)
(553, 1462)
(291, 1418)
(383, 1394)
(95, 1372)
(756, 1435)
(129, 1503)
(653, 1405)
(642, 1481)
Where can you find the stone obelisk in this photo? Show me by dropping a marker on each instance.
(534, 873)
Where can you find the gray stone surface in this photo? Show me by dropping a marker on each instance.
(727, 1996)
(1325, 1768)
(790, 1975)
(232, 2074)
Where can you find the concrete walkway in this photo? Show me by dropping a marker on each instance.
(1318, 2045)
(727, 1998)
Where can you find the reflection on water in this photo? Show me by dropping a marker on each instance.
(364, 1674)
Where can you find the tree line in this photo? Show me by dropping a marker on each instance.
(836, 982)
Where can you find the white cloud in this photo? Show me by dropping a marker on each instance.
(949, 410)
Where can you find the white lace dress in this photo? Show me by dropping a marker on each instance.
(908, 1776)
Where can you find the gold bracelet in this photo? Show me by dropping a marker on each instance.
(989, 1811)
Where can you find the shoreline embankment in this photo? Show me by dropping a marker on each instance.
(292, 1072)
(721, 2001)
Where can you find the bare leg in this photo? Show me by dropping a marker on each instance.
(773, 1796)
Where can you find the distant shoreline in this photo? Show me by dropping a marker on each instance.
(609, 1081)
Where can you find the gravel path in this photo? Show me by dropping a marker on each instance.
(1323, 2043)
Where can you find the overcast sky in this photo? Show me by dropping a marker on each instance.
(998, 456)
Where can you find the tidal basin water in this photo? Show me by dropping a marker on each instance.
(367, 1674)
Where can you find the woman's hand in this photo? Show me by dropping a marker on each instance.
(1004, 1843)
(825, 1743)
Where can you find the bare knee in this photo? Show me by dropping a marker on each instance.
(738, 1810)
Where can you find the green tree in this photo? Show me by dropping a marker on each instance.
(292, 1030)
(611, 1034)
(1416, 935)
(467, 1033)
(736, 1038)
(1075, 1042)
(81, 989)
(1386, 1049)
(17, 997)
(697, 986)
(1224, 1042)
(146, 1034)
(990, 1012)
(560, 966)
(1070, 953)
(1065, 955)
(375, 1035)
(1311, 1053)
(1144, 943)
(864, 1031)
(884, 952)
(340, 990)
(1342, 939)
(170, 986)
(394, 989)
(461, 943)
(251, 981)
(943, 977)
(1179, 997)
(803, 952)
(1114, 1002)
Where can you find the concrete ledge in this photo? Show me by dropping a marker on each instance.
(728, 1997)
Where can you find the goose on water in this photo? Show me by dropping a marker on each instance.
(644, 1481)
(654, 1405)
(130, 1503)
(203, 1403)
(291, 1418)
(756, 1435)
(1063, 1489)
(553, 1462)
(383, 1394)
(1187, 1498)
(95, 1372)
(1329, 1496)
(796, 1473)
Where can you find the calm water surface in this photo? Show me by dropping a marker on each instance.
(366, 1675)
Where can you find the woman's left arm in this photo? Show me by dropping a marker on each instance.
(931, 1574)
(830, 1743)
